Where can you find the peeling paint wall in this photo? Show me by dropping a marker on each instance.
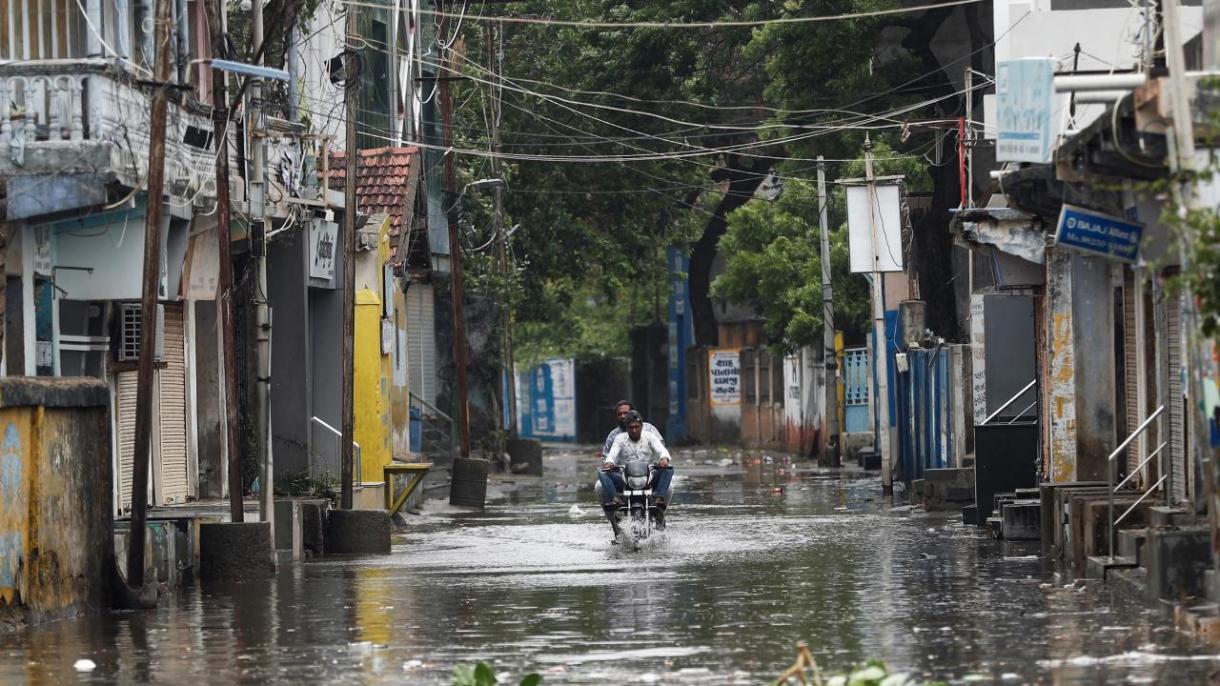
(56, 530)
(1060, 389)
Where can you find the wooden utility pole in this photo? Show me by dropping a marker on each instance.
(351, 92)
(224, 301)
(831, 410)
(455, 248)
(148, 300)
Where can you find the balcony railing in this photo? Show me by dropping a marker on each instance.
(92, 116)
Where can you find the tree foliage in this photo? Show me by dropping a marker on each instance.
(592, 236)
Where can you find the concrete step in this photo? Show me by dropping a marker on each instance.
(946, 489)
(996, 526)
(1176, 560)
(1162, 517)
(1021, 520)
(1100, 567)
(1131, 542)
(1201, 620)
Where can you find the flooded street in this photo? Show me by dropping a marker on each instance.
(746, 569)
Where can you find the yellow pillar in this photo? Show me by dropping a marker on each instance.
(368, 396)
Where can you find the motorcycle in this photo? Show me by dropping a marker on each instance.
(638, 516)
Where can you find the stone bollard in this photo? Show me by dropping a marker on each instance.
(235, 551)
(358, 532)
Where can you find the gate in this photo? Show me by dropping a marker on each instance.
(856, 379)
(925, 417)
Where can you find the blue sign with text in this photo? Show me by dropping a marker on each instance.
(1100, 234)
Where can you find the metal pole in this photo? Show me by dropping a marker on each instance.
(828, 329)
(880, 346)
(266, 508)
(351, 89)
(455, 254)
(148, 300)
(224, 301)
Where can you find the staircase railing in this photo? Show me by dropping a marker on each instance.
(1112, 469)
(1012, 400)
(335, 469)
(446, 425)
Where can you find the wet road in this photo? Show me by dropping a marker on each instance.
(744, 572)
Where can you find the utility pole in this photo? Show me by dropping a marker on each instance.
(828, 328)
(880, 345)
(224, 301)
(258, 248)
(351, 92)
(455, 248)
(495, 42)
(148, 301)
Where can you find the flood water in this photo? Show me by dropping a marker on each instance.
(745, 571)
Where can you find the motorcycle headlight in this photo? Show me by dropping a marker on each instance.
(637, 482)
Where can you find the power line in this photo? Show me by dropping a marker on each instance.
(720, 24)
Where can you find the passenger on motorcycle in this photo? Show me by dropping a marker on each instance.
(636, 444)
(621, 411)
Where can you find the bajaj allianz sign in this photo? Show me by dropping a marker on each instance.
(1099, 234)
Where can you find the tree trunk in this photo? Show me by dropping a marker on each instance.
(744, 175)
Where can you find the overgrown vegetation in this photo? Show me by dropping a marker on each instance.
(301, 484)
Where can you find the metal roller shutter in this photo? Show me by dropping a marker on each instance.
(171, 396)
(125, 428)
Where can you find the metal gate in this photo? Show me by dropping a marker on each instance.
(925, 419)
(856, 380)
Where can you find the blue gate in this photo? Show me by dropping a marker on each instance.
(925, 427)
(856, 375)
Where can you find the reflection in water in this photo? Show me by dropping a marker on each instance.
(756, 559)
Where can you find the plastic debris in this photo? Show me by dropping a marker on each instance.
(84, 665)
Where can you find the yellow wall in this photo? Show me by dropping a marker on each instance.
(381, 389)
(56, 532)
(369, 403)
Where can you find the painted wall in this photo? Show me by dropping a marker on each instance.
(1059, 389)
(56, 531)
(804, 398)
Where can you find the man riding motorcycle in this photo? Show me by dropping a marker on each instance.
(636, 444)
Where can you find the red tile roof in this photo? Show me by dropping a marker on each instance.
(381, 181)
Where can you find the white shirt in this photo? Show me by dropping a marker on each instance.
(650, 448)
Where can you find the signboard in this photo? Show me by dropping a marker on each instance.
(1099, 234)
(546, 402)
(724, 376)
(1025, 98)
(322, 238)
(879, 216)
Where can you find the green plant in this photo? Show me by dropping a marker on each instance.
(301, 483)
(481, 675)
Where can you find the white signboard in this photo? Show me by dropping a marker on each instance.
(322, 237)
(724, 376)
(879, 216)
(1025, 97)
